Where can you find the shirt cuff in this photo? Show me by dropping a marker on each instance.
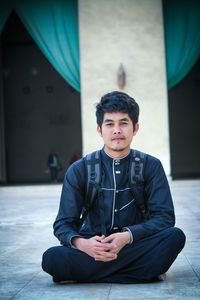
(127, 229)
(70, 241)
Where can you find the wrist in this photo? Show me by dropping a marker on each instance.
(127, 237)
(77, 241)
(126, 229)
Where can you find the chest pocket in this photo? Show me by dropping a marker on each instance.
(125, 209)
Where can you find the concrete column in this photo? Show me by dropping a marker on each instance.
(128, 32)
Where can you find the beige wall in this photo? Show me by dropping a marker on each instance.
(128, 32)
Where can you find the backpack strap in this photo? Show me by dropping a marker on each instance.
(93, 173)
(93, 166)
(137, 180)
(137, 166)
(93, 188)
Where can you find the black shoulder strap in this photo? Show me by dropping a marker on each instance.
(93, 167)
(137, 180)
(93, 189)
(137, 166)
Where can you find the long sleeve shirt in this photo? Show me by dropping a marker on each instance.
(117, 205)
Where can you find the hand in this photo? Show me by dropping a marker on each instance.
(117, 241)
(95, 248)
(103, 248)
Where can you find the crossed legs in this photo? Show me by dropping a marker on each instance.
(142, 261)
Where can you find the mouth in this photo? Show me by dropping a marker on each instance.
(118, 138)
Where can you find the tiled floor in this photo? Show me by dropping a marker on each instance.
(26, 216)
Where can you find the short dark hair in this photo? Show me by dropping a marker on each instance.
(117, 102)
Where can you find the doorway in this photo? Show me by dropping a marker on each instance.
(184, 112)
(42, 112)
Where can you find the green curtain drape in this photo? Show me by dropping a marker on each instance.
(53, 24)
(54, 27)
(182, 37)
(5, 10)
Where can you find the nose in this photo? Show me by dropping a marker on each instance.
(117, 129)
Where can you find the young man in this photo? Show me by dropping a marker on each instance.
(117, 240)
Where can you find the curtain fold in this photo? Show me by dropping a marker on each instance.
(54, 27)
(182, 38)
(5, 10)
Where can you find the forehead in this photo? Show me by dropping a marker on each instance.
(115, 116)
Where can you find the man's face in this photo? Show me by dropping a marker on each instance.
(117, 132)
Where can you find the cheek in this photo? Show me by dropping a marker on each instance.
(130, 133)
(105, 135)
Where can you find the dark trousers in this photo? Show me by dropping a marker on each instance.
(142, 261)
(54, 173)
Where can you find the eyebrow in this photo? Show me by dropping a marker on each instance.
(111, 120)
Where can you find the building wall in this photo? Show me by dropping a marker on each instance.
(128, 32)
(2, 136)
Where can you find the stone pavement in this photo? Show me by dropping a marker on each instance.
(26, 217)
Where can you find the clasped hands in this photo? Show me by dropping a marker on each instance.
(103, 248)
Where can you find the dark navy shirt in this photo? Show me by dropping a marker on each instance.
(117, 209)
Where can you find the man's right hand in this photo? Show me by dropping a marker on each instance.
(94, 248)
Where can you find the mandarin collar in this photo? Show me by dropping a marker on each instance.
(111, 159)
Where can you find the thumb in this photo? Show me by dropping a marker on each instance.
(99, 238)
(108, 239)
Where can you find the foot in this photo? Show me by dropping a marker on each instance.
(162, 277)
(56, 280)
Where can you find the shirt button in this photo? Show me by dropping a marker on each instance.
(116, 210)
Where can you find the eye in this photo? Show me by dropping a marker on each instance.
(124, 123)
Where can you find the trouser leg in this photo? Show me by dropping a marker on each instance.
(149, 257)
(138, 262)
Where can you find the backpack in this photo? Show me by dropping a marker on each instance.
(136, 180)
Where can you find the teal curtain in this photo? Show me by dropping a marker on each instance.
(53, 24)
(54, 27)
(182, 37)
(5, 10)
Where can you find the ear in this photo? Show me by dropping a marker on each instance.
(136, 128)
(99, 130)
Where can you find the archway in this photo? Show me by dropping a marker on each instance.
(41, 110)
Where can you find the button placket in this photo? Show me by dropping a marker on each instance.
(117, 173)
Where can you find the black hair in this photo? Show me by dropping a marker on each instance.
(117, 102)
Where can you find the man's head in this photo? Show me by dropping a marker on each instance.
(117, 102)
(117, 122)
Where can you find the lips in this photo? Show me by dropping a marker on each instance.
(118, 138)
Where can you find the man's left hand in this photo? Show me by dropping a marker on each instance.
(116, 242)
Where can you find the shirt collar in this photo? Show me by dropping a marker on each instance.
(110, 158)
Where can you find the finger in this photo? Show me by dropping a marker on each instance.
(105, 260)
(111, 246)
(108, 239)
(101, 250)
(104, 247)
(98, 238)
(105, 257)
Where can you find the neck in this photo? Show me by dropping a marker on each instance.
(117, 154)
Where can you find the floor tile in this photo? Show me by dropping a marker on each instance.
(26, 218)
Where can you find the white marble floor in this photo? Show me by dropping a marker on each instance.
(26, 216)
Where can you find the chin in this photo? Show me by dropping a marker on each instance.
(118, 149)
